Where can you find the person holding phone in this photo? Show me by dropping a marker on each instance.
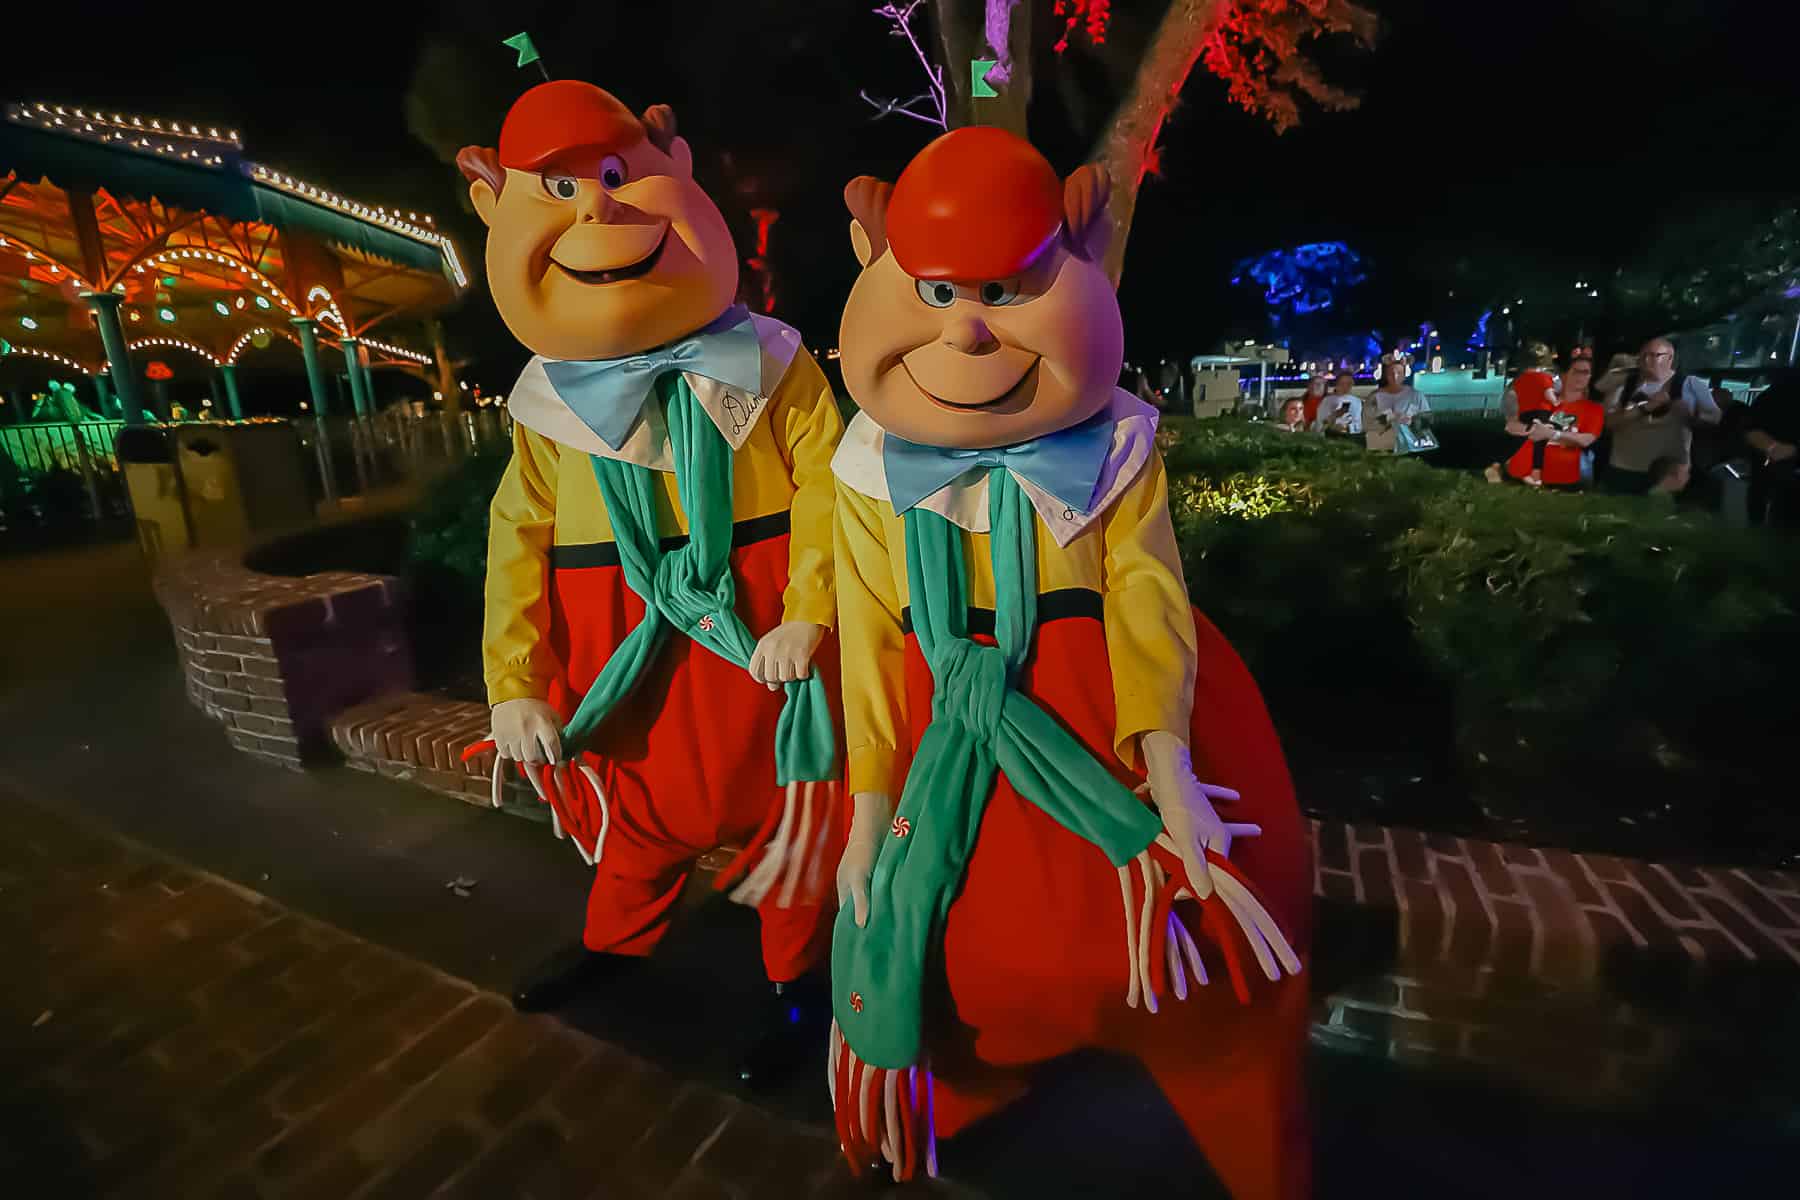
(1651, 416)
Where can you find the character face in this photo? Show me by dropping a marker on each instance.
(604, 256)
(1393, 374)
(1578, 376)
(979, 363)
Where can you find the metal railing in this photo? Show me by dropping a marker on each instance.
(67, 474)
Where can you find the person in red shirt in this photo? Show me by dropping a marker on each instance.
(1315, 396)
(1558, 428)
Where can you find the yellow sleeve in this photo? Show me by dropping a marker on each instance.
(873, 647)
(804, 417)
(516, 659)
(1149, 622)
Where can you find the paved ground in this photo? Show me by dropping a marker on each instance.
(306, 1009)
(167, 1034)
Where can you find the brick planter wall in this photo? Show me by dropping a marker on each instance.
(1586, 976)
(274, 658)
(1580, 977)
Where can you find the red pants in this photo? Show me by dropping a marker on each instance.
(687, 759)
(1035, 952)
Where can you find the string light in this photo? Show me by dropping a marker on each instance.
(424, 360)
(48, 356)
(244, 339)
(115, 124)
(226, 260)
(374, 216)
(177, 344)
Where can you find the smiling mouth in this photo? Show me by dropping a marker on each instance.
(641, 267)
(978, 406)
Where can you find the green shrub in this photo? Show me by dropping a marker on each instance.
(450, 527)
(1583, 663)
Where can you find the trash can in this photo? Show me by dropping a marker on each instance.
(153, 483)
(213, 483)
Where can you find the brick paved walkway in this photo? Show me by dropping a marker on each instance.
(164, 1033)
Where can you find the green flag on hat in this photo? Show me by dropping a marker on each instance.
(527, 51)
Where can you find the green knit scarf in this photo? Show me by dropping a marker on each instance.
(690, 588)
(979, 723)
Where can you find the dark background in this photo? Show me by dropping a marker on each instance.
(1498, 147)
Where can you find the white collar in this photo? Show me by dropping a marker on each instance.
(535, 405)
(964, 501)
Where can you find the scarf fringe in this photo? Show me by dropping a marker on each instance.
(564, 788)
(886, 1116)
(788, 851)
(1161, 953)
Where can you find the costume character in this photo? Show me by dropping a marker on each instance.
(659, 580)
(1025, 674)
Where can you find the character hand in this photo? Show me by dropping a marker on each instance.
(527, 731)
(1540, 432)
(871, 820)
(785, 653)
(1781, 452)
(1185, 805)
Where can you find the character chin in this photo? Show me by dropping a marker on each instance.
(636, 270)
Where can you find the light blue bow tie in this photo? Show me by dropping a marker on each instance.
(1067, 464)
(607, 393)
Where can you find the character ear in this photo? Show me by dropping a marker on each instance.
(480, 165)
(659, 127)
(860, 243)
(867, 199)
(1087, 226)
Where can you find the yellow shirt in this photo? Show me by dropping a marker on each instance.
(1127, 554)
(548, 498)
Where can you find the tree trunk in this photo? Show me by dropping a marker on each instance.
(962, 32)
(444, 369)
(1127, 147)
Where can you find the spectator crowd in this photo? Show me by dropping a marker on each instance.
(1642, 428)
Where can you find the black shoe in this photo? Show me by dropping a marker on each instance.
(564, 975)
(787, 1038)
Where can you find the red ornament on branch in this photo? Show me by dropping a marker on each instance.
(1091, 15)
(158, 370)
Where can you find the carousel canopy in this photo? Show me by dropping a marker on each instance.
(208, 251)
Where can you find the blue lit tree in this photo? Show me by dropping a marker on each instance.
(1308, 279)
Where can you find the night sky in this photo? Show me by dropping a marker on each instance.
(1538, 140)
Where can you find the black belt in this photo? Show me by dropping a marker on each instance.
(606, 554)
(1052, 606)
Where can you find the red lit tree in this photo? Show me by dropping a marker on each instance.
(1257, 47)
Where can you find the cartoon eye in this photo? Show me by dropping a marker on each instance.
(999, 291)
(612, 172)
(562, 187)
(936, 292)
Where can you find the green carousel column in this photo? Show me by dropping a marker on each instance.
(228, 372)
(359, 385)
(359, 396)
(305, 327)
(118, 358)
(309, 350)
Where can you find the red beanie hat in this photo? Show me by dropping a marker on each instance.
(565, 118)
(977, 203)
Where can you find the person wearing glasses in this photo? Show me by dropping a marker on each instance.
(1651, 418)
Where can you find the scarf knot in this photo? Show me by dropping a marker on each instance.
(971, 686)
